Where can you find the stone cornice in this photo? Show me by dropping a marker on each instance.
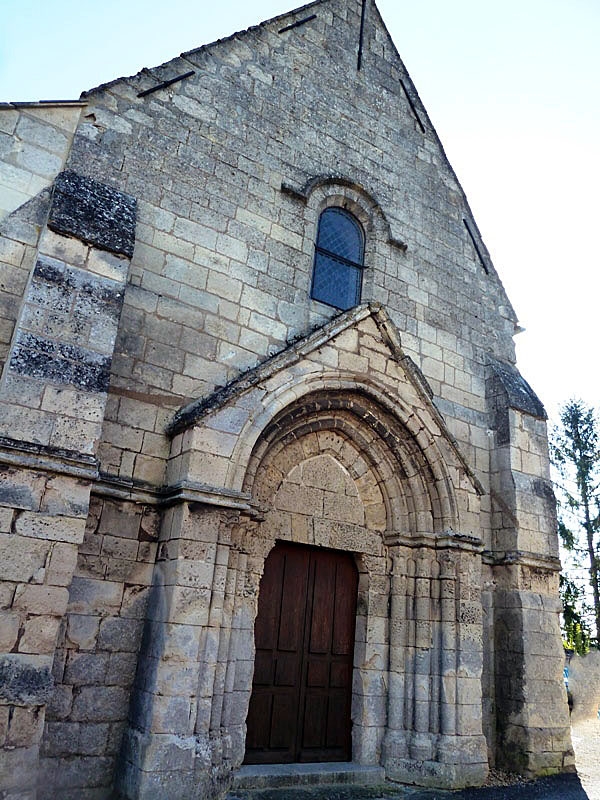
(113, 487)
(448, 540)
(523, 558)
(29, 455)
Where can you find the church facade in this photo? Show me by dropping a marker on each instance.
(272, 488)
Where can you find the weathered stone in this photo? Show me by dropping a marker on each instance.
(86, 668)
(43, 358)
(9, 630)
(120, 635)
(93, 212)
(25, 727)
(100, 704)
(82, 630)
(24, 680)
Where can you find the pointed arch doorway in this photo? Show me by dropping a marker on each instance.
(304, 635)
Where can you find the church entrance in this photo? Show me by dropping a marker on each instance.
(304, 634)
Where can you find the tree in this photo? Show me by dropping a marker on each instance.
(576, 631)
(576, 455)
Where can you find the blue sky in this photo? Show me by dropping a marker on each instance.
(512, 88)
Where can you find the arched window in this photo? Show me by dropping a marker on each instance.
(339, 251)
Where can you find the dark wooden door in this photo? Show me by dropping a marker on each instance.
(304, 634)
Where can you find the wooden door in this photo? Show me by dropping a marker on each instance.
(304, 633)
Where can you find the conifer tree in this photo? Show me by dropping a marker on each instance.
(576, 454)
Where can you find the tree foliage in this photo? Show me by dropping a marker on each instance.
(576, 455)
(576, 631)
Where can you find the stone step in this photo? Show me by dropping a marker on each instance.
(331, 791)
(268, 781)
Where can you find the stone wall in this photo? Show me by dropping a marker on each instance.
(584, 685)
(35, 139)
(97, 652)
(52, 399)
(34, 142)
(231, 166)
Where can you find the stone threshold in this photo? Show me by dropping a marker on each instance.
(273, 776)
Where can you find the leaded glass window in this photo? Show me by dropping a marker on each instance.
(337, 274)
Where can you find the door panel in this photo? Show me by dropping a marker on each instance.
(304, 634)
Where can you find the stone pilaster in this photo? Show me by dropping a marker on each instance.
(52, 399)
(434, 734)
(533, 732)
(185, 688)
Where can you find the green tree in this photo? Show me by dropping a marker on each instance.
(576, 455)
(576, 631)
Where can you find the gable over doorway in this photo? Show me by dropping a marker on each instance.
(304, 633)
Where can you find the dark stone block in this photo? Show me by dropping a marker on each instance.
(89, 293)
(120, 635)
(94, 213)
(86, 668)
(38, 357)
(24, 683)
(49, 270)
(519, 393)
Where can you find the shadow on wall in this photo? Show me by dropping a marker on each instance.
(584, 685)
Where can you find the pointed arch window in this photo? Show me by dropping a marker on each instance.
(339, 254)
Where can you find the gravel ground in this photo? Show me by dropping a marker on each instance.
(586, 743)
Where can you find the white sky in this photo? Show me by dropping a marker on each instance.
(512, 88)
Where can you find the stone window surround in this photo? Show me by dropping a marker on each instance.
(328, 191)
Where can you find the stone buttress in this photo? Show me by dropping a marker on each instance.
(52, 400)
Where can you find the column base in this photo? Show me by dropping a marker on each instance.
(436, 775)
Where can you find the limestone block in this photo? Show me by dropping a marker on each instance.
(468, 719)
(181, 642)
(21, 489)
(41, 599)
(121, 669)
(85, 668)
(94, 213)
(65, 497)
(6, 518)
(185, 605)
(63, 559)
(59, 703)
(42, 135)
(100, 704)
(169, 714)
(39, 635)
(117, 547)
(120, 635)
(135, 601)
(9, 630)
(68, 773)
(89, 596)
(22, 559)
(53, 528)
(343, 508)
(25, 680)
(26, 726)
(93, 739)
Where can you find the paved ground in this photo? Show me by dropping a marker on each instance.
(583, 786)
(558, 787)
(586, 742)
